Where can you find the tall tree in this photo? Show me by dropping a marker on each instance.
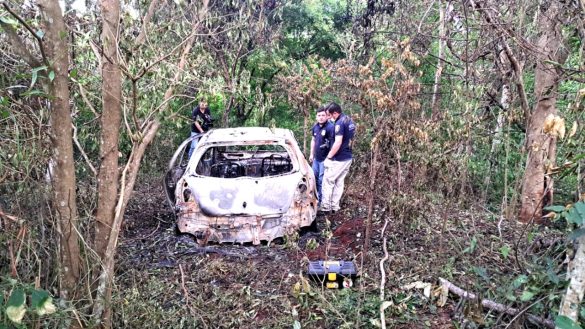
(541, 148)
(63, 179)
(107, 178)
(110, 122)
(141, 138)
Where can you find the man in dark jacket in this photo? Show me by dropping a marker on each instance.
(323, 136)
(201, 117)
(338, 159)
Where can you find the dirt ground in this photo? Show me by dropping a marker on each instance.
(165, 279)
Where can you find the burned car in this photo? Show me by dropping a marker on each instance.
(241, 185)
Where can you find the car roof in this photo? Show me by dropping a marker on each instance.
(245, 134)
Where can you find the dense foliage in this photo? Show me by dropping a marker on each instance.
(445, 96)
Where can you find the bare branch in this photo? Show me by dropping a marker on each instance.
(490, 304)
(519, 80)
(85, 99)
(515, 64)
(91, 167)
(383, 274)
(146, 21)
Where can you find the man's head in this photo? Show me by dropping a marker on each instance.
(321, 115)
(203, 106)
(334, 109)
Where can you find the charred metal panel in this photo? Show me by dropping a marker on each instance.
(244, 195)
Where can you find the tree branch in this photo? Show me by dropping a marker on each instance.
(493, 305)
(39, 40)
(19, 46)
(383, 274)
(91, 167)
(145, 21)
(515, 64)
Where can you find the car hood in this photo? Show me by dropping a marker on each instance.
(258, 196)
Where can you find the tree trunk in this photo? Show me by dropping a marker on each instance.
(502, 114)
(545, 87)
(368, 27)
(226, 113)
(576, 288)
(64, 195)
(107, 180)
(101, 307)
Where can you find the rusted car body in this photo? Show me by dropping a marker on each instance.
(241, 185)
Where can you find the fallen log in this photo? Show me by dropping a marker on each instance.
(490, 304)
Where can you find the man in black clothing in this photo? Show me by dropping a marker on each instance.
(201, 122)
(323, 137)
(338, 159)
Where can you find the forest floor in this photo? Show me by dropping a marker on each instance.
(167, 280)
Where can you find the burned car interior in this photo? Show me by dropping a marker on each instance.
(244, 160)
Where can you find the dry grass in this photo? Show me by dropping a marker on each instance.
(162, 280)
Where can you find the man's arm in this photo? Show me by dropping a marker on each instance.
(198, 126)
(312, 149)
(335, 147)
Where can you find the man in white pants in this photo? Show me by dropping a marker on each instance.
(338, 159)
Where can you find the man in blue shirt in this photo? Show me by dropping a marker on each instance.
(201, 117)
(323, 136)
(338, 159)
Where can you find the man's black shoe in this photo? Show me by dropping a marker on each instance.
(323, 212)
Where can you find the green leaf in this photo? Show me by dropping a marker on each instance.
(511, 297)
(17, 298)
(573, 216)
(73, 73)
(576, 234)
(4, 114)
(563, 322)
(34, 92)
(520, 280)
(471, 247)
(526, 295)
(52, 75)
(38, 298)
(552, 276)
(505, 251)
(482, 272)
(553, 63)
(580, 207)
(555, 208)
(16, 307)
(35, 74)
(9, 21)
